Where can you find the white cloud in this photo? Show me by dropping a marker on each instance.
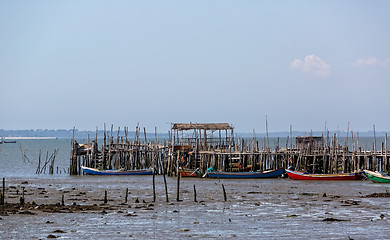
(311, 64)
(371, 62)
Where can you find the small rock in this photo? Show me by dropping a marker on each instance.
(131, 215)
(136, 200)
(382, 216)
(324, 195)
(51, 236)
(25, 182)
(333, 220)
(59, 231)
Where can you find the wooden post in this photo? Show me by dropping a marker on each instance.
(154, 182)
(165, 180)
(127, 193)
(105, 197)
(22, 197)
(178, 180)
(224, 193)
(195, 194)
(62, 200)
(3, 193)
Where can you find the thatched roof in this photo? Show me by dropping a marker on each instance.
(203, 126)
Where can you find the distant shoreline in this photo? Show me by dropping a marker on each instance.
(69, 134)
(20, 138)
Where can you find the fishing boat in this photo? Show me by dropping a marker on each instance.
(379, 177)
(190, 173)
(265, 174)
(95, 171)
(307, 176)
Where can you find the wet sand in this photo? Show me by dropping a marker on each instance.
(255, 209)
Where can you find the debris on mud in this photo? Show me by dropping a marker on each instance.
(378, 195)
(334, 220)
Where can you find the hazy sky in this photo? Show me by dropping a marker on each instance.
(66, 64)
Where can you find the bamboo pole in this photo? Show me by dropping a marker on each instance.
(386, 165)
(374, 165)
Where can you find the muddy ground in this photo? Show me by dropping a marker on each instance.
(74, 208)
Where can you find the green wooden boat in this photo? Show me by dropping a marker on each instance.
(379, 177)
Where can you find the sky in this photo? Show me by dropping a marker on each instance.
(83, 64)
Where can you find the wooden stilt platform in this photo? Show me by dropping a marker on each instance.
(200, 146)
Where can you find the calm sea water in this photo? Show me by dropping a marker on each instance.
(20, 159)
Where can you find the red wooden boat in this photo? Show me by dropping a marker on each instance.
(307, 176)
(189, 173)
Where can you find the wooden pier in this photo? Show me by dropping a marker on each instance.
(201, 146)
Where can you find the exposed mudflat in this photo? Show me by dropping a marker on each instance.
(255, 209)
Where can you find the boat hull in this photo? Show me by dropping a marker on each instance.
(94, 171)
(189, 173)
(239, 175)
(331, 177)
(377, 177)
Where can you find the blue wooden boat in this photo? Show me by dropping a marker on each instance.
(265, 174)
(95, 171)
